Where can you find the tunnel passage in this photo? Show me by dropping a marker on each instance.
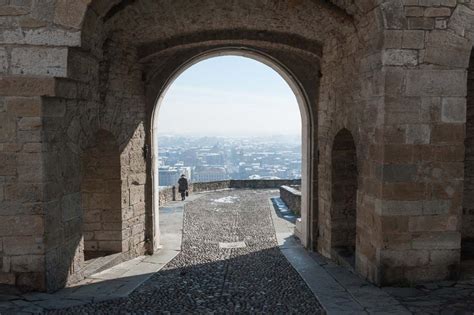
(101, 198)
(344, 198)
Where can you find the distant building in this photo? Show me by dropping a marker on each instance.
(168, 176)
(210, 173)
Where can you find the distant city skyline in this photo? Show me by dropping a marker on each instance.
(229, 96)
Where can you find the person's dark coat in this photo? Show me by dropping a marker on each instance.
(183, 184)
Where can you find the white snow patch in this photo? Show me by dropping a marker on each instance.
(228, 199)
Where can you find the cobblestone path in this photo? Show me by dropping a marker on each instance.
(206, 278)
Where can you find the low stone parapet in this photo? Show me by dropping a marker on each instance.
(209, 186)
(292, 198)
(167, 194)
(170, 193)
(263, 183)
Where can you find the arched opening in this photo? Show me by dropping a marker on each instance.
(103, 231)
(306, 134)
(344, 199)
(467, 243)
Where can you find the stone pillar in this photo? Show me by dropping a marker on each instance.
(22, 186)
(423, 143)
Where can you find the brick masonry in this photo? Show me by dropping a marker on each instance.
(391, 72)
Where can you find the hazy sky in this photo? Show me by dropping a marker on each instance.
(229, 96)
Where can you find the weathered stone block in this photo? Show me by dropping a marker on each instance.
(27, 86)
(421, 23)
(400, 57)
(12, 10)
(24, 106)
(404, 258)
(444, 257)
(432, 207)
(41, 36)
(21, 225)
(398, 172)
(7, 127)
(23, 245)
(30, 192)
(446, 56)
(453, 110)
(3, 61)
(30, 123)
(447, 133)
(28, 263)
(418, 134)
(437, 240)
(393, 14)
(413, 39)
(115, 246)
(7, 164)
(437, 12)
(70, 12)
(436, 83)
(107, 235)
(39, 61)
(433, 223)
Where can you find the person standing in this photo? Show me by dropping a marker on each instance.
(183, 186)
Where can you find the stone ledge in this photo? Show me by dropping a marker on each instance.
(169, 193)
(292, 198)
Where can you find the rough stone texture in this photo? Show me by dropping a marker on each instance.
(170, 193)
(103, 230)
(167, 194)
(468, 197)
(344, 192)
(205, 278)
(291, 196)
(393, 73)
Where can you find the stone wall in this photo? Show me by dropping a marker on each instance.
(292, 198)
(392, 72)
(352, 98)
(101, 199)
(209, 186)
(468, 198)
(425, 57)
(344, 191)
(263, 183)
(171, 193)
(167, 194)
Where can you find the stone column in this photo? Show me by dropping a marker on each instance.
(419, 205)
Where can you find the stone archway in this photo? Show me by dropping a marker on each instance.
(111, 60)
(307, 123)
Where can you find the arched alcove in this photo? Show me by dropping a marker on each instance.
(344, 198)
(103, 231)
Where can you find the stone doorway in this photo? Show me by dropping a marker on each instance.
(305, 100)
(467, 242)
(344, 199)
(103, 230)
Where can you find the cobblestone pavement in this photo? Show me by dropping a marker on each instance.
(445, 297)
(208, 277)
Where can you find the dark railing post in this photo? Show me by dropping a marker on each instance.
(173, 193)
